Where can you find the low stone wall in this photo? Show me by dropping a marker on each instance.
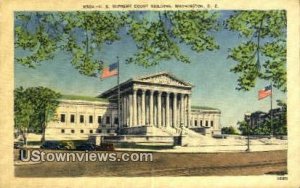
(138, 139)
(140, 130)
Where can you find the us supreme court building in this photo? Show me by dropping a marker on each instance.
(155, 104)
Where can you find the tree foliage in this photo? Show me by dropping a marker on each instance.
(278, 126)
(228, 130)
(263, 52)
(33, 108)
(83, 34)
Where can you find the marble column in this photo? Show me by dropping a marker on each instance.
(134, 108)
(189, 110)
(127, 110)
(182, 110)
(159, 109)
(168, 110)
(143, 114)
(151, 108)
(122, 111)
(130, 110)
(175, 110)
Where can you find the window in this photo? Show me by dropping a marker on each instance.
(81, 119)
(99, 131)
(116, 121)
(201, 123)
(62, 118)
(72, 131)
(107, 120)
(206, 123)
(81, 131)
(99, 119)
(63, 131)
(196, 123)
(91, 131)
(211, 123)
(72, 118)
(90, 119)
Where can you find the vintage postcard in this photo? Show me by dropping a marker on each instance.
(155, 93)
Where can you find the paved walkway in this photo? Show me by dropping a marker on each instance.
(223, 145)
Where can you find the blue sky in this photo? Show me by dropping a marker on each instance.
(209, 72)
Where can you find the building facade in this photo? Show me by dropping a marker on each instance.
(158, 100)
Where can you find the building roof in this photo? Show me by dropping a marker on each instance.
(83, 98)
(204, 108)
(161, 78)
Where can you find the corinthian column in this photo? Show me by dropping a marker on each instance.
(189, 110)
(182, 109)
(175, 110)
(134, 109)
(159, 108)
(151, 108)
(143, 114)
(168, 110)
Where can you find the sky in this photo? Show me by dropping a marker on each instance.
(214, 84)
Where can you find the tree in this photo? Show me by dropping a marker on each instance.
(262, 54)
(34, 107)
(228, 130)
(23, 110)
(157, 35)
(280, 122)
(243, 127)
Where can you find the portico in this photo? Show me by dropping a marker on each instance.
(159, 100)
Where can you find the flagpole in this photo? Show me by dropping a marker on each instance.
(119, 98)
(271, 112)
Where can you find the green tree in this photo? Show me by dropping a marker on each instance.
(35, 106)
(157, 35)
(280, 123)
(262, 54)
(243, 127)
(23, 110)
(228, 130)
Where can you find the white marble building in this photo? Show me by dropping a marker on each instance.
(158, 100)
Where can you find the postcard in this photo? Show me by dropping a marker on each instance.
(155, 93)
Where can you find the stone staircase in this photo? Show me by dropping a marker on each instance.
(191, 133)
(171, 131)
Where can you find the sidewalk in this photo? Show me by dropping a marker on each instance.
(213, 149)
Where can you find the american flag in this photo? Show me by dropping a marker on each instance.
(111, 70)
(263, 93)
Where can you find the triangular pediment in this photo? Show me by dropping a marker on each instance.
(165, 79)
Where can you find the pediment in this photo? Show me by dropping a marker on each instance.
(165, 79)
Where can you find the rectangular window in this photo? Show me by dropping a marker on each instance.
(116, 121)
(91, 131)
(107, 120)
(206, 123)
(196, 123)
(72, 131)
(63, 131)
(201, 123)
(62, 118)
(81, 131)
(81, 119)
(99, 119)
(90, 119)
(211, 123)
(72, 118)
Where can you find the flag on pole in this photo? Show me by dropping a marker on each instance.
(111, 70)
(263, 93)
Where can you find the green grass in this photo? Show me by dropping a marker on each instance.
(85, 98)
